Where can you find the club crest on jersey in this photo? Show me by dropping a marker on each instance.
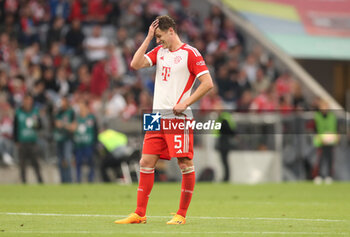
(177, 59)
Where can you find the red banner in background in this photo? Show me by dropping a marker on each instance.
(322, 17)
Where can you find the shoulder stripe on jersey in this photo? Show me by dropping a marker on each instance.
(155, 48)
(149, 60)
(197, 51)
(194, 50)
(191, 47)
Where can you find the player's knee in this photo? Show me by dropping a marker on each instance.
(184, 163)
(182, 166)
(146, 163)
(143, 163)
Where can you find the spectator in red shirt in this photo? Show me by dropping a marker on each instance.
(99, 79)
(40, 11)
(284, 84)
(11, 6)
(285, 106)
(99, 10)
(211, 101)
(265, 101)
(79, 10)
(84, 79)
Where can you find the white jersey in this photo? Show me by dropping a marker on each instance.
(175, 76)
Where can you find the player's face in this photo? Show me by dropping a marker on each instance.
(27, 102)
(162, 37)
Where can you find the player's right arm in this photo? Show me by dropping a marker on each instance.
(139, 60)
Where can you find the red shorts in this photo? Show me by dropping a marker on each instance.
(173, 140)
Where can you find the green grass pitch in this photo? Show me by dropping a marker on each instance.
(288, 209)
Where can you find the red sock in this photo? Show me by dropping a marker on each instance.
(187, 187)
(144, 189)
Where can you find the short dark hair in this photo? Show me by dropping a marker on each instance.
(165, 22)
(28, 95)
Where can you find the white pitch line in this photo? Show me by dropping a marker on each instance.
(179, 232)
(191, 217)
(55, 214)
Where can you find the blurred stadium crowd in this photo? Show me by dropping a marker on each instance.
(81, 50)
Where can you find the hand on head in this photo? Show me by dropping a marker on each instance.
(153, 27)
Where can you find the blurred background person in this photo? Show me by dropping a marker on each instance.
(96, 45)
(63, 137)
(6, 129)
(225, 143)
(113, 150)
(26, 125)
(325, 140)
(85, 139)
(74, 38)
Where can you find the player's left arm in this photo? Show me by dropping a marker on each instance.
(206, 83)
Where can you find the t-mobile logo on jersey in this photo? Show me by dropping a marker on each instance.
(165, 73)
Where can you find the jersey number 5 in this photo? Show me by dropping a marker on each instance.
(178, 142)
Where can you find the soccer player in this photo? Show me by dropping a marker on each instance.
(177, 67)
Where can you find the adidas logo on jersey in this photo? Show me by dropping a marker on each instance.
(178, 152)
